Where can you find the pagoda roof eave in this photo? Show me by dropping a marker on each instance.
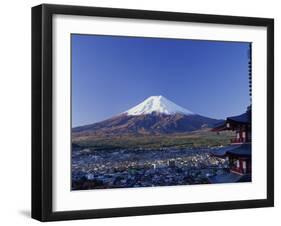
(238, 150)
(244, 118)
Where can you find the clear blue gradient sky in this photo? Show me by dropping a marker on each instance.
(111, 74)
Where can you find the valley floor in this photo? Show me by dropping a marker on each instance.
(122, 168)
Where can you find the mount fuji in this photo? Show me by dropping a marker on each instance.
(155, 115)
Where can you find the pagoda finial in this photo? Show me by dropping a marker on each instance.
(250, 71)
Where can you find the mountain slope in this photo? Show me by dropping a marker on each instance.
(147, 124)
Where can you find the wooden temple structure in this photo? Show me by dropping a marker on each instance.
(238, 154)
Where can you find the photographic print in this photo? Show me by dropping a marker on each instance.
(159, 112)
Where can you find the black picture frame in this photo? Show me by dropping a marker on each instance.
(42, 111)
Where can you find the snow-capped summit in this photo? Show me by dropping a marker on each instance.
(158, 104)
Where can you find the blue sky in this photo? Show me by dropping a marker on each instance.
(111, 74)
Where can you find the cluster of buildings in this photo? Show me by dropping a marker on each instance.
(123, 168)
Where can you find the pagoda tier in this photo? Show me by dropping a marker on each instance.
(241, 124)
(239, 157)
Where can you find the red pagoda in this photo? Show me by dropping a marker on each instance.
(238, 154)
